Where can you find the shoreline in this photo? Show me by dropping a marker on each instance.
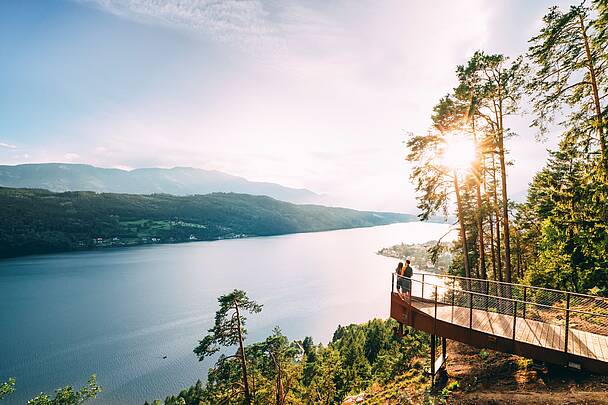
(140, 245)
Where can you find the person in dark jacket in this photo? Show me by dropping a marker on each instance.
(406, 282)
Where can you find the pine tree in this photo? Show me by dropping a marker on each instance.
(499, 86)
(435, 182)
(68, 396)
(229, 330)
(571, 70)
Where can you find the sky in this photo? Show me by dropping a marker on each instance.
(312, 94)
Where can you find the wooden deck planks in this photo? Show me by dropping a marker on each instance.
(527, 330)
(583, 345)
(586, 345)
(523, 330)
(573, 343)
(544, 334)
(604, 346)
(596, 344)
(484, 321)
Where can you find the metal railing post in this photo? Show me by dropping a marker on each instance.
(487, 293)
(422, 285)
(470, 310)
(453, 298)
(433, 343)
(409, 306)
(525, 298)
(567, 321)
(453, 294)
(435, 320)
(514, 318)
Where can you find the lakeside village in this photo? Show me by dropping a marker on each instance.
(422, 255)
(145, 232)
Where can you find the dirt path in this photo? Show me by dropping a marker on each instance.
(530, 398)
(487, 377)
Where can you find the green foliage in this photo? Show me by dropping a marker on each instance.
(432, 180)
(229, 330)
(190, 396)
(301, 372)
(565, 223)
(228, 325)
(39, 221)
(277, 368)
(68, 396)
(7, 388)
(446, 391)
(570, 73)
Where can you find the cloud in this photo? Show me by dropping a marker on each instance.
(310, 94)
(7, 145)
(323, 96)
(70, 157)
(254, 26)
(225, 20)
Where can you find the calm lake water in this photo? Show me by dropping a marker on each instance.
(117, 312)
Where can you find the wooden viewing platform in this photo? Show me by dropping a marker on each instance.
(551, 326)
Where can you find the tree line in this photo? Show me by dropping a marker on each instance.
(558, 237)
(63, 396)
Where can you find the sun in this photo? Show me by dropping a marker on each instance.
(458, 152)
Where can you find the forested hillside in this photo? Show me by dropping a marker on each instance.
(40, 221)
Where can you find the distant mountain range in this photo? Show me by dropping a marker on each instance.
(60, 177)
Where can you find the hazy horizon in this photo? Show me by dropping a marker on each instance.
(308, 95)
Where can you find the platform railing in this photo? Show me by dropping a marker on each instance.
(567, 311)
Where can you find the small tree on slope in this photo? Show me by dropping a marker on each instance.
(229, 330)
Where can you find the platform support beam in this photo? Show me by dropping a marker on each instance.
(437, 363)
(433, 341)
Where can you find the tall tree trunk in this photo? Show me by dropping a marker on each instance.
(492, 246)
(490, 220)
(280, 391)
(520, 272)
(463, 233)
(477, 170)
(497, 213)
(243, 361)
(596, 96)
(505, 200)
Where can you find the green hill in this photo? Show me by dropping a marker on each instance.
(39, 221)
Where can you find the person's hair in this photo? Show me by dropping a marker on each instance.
(400, 265)
(408, 261)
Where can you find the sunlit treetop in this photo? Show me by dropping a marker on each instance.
(458, 152)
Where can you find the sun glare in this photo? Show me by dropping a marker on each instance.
(458, 152)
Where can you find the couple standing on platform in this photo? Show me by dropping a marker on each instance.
(404, 282)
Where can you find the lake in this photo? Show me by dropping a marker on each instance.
(117, 312)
